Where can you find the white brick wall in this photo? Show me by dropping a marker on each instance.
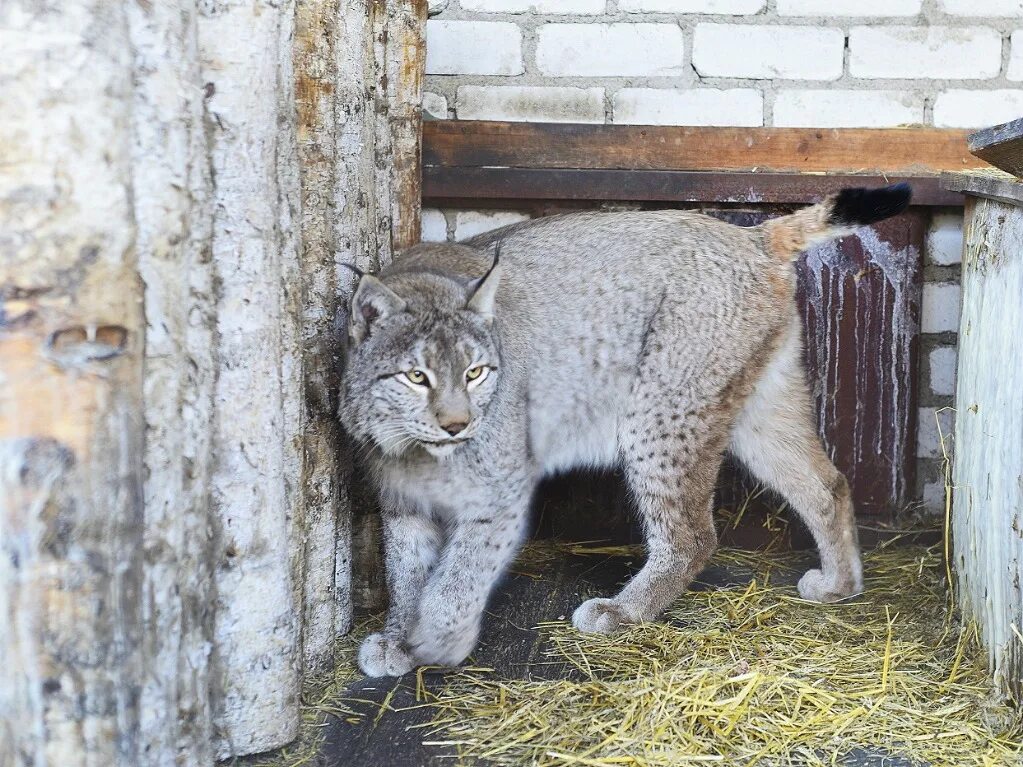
(845, 8)
(977, 109)
(704, 106)
(728, 7)
(469, 223)
(925, 52)
(941, 308)
(942, 363)
(1013, 8)
(535, 6)
(934, 425)
(473, 48)
(435, 104)
(610, 50)
(847, 109)
(525, 103)
(1015, 72)
(435, 225)
(768, 52)
(945, 239)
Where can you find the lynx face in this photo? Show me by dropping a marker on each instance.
(421, 370)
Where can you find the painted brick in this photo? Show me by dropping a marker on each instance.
(928, 435)
(1013, 8)
(609, 50)
(724, 7)
(847, 109)
(473, 48)
(942, 361)
(435, 225)
(697, 106)
(933, 497)
(945, 239)
(941, 308)
(966, 53)
(537, 104)
(1016, 57)
(762, 52)
(977, 109)
(435, 104)
(469, 223)
(564, 7)
(859, 8)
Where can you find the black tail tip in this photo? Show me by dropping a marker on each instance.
(857, 206)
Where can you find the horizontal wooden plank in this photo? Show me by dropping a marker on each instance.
(993, 184)
(906, 151)
(467, 186)
(1002, 146)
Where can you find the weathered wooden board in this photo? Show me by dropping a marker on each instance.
(913, 151)
(1002, 146)
(988, 464)
(466, 186)
(71, 418)
(991, 184)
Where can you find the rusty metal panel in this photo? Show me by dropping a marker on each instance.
(860, 302)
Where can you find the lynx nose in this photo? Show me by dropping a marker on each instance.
(453, 427)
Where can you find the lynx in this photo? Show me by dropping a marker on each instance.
(650, 341)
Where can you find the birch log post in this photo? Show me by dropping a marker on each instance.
(71, 340)
(379, 73)
(172, 194)
(988, 463)
(246, 63)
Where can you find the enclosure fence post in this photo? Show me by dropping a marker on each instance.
(172, 195)
(246, 55)
(71, 344)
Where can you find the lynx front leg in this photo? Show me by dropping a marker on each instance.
(477, 552)
(411, 544)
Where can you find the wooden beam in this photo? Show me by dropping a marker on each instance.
(1002, 146)
(906, 151)
(463, 185)
(993, 184)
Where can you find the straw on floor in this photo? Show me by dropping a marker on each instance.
(750, 675)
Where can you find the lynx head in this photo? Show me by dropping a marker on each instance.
(422, 359)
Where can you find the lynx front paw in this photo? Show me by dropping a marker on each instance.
(817, 587)
(600, 616)
(381, 655)
(436, 647)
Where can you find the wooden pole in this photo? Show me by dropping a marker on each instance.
(172, 195)
(71, 420)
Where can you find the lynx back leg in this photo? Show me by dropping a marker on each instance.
(775, 437)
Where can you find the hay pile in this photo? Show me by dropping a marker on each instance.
(749, 675)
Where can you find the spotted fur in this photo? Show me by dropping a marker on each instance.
(650, 341)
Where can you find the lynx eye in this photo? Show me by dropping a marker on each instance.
(474, 374)
(418, 377)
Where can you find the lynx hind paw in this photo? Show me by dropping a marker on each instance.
(814, 586)
(600, 616)
(380, 655)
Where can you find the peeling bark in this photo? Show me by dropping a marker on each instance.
(172, 195)
(71, 341)
(245, 49)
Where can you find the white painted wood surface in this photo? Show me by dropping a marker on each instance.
(988, 463)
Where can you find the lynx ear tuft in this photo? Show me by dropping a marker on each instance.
(484, 292)
(372, 301)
